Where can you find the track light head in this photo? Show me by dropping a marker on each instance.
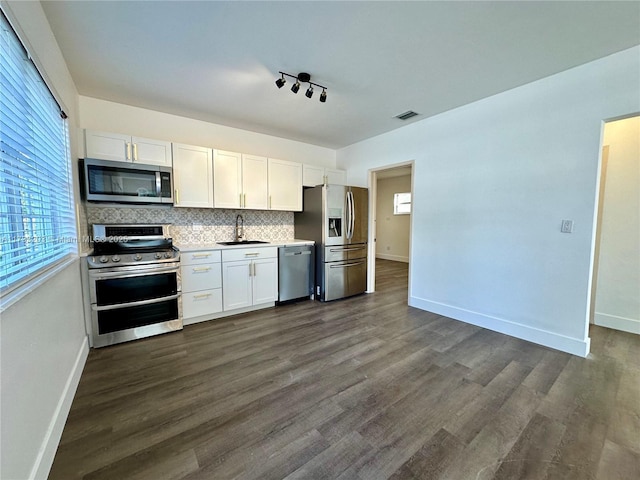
(323, 96)
(280, 82)
(295, 87)
(309, 92)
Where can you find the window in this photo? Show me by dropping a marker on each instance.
(402, 203)
(37, 222)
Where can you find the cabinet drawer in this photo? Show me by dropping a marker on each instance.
(196, 258)
(206, 302)
(235, 254)
(201, 277)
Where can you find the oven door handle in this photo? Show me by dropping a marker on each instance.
(133, 273)
(133, 304)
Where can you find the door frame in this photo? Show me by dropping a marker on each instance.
(373, 194)
(603, 158)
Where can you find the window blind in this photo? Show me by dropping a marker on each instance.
(37, 220)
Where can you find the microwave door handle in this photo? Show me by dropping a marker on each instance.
(158, 185)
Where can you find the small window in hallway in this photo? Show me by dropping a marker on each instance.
(402, 203)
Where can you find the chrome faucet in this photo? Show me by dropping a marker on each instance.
(239, 228)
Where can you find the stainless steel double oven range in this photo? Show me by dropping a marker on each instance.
(133, 279)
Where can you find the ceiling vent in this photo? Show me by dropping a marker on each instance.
(407, 115)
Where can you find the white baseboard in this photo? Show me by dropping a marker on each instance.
(44, 461)
(556, 341)
(618, 323)
(395, 258)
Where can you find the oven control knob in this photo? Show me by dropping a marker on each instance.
(168, 255)
(137, 256)
(104, 259)
(115, 258)
(158, 255)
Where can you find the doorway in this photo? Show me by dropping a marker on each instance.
(390, 202)
(616, 266)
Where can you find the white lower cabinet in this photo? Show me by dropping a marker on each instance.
(250, 277)
(201, 276)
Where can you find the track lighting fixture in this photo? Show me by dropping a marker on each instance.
(304, 78)
(280, 82)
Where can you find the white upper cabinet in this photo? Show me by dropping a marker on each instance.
(313, 175)
(240, 181)
(335, 177)
(254, 182)
(192, 176)
(227, 179)
(125, 148)
(285, 185)
(152, 152)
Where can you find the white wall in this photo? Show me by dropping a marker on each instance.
(618, 287)
(115, 117)
(492, 182)
(392, 231)
(43, 344)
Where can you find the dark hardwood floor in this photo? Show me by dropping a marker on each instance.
(364, 388)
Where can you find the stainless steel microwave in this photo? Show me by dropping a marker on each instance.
(124, 182)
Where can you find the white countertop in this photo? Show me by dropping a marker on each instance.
(192, 247)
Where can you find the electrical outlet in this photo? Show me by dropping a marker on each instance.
(567, 226)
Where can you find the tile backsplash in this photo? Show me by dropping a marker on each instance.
(200, 225)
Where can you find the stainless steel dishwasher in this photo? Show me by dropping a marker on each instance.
(295, 272)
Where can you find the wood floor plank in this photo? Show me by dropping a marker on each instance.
(358, 389)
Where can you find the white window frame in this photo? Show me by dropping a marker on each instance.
(37, 208)
(402, 203)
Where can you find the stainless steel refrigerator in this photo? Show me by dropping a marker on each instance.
(336, 218)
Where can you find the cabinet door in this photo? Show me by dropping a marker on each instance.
(254, 182)
(312, 176)
(192, 176)
(335, 177)
(205, 302)
(265, 280)
(227, 179)
(236, 285)
(151, 152)
(107, 146)
(201, 277)
(285, 185)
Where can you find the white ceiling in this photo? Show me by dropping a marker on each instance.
(217, 61)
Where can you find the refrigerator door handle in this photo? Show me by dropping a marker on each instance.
(343, 249)
(353, 214)
(345, 265)
(349, 213)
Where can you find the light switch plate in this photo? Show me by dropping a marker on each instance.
(567, 226)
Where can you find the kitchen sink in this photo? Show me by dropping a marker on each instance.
(243, 242)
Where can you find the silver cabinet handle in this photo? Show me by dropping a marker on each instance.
(201, 269)
(177, 196)
(128, 153)
(135, 152)
(200, 255)
(252, 254)
(201, 295)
